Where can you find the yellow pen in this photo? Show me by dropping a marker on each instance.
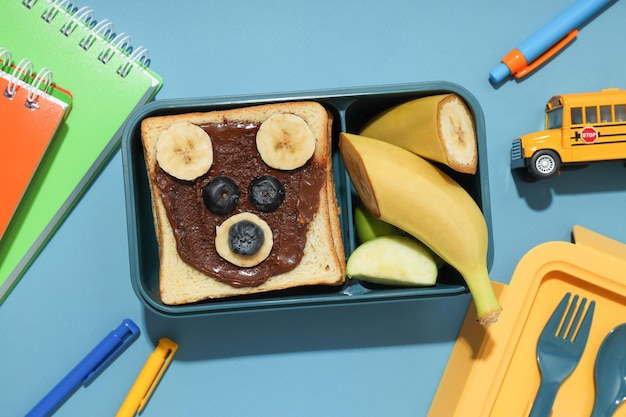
(148, 378)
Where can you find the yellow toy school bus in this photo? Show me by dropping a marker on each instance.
(579, 128)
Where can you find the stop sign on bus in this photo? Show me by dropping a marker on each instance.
(589, 134)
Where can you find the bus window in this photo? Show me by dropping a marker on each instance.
(620, 112)
(605, 114)
(577, 115)
(591, 114)
(555, 118)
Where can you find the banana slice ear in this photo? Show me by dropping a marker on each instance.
(185, 151)
(285, 141)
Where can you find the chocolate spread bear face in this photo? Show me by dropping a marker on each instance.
(246, 218)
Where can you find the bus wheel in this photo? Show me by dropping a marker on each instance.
(544, 164)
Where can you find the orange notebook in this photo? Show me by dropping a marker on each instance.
(32, 109)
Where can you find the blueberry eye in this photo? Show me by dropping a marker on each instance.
(245, 238)
(220, 195)
(266, 193)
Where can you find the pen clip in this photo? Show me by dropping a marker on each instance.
(127, 332)
(546, 55)
(165, 350)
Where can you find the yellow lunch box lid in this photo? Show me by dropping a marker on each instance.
(493, 372)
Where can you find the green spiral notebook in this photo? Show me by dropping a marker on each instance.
(108, 79)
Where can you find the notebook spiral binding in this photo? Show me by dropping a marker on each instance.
(22, 75)
(82, 20)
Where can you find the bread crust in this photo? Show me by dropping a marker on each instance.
(323, 261)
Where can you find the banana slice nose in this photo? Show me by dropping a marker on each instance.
(244, 240)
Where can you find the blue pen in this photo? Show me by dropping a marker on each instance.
(88, 369)
(546, 42)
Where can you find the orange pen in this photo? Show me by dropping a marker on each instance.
(148, 378)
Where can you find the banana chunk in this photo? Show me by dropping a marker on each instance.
(440, 128)
(185, 151)
(285, 141)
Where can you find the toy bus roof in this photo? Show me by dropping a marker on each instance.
(605, 96)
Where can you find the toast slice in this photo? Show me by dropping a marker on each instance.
(323, 259)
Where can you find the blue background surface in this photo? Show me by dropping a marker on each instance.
(362, 360)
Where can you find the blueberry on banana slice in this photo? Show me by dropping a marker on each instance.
(244, 240)
(266, 193)
(220, 195)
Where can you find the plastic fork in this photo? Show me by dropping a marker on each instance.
(559, 349)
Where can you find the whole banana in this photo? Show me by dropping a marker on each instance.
(409, 192)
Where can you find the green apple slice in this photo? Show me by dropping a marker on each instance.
(393, 260)
(369, 227)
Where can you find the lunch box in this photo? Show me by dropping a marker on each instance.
(351, 109)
